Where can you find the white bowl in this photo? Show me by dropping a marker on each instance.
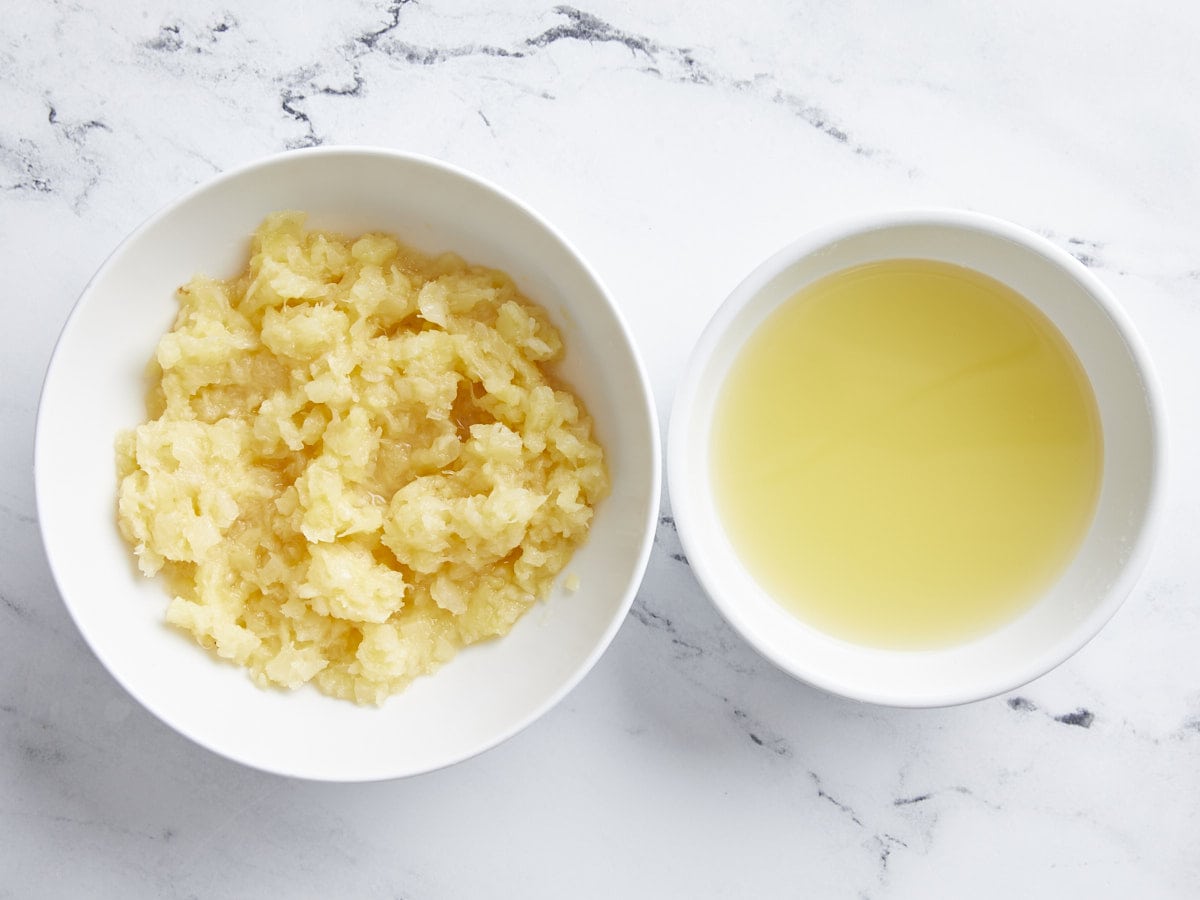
(94, 388)
(1114, 551)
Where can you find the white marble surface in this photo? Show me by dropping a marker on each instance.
(676, 144)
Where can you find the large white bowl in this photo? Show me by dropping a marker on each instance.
(1114, 551)
(95, 387)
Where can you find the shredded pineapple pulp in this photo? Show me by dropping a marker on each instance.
(355, 463)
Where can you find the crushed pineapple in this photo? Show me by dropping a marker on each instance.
(355, 463)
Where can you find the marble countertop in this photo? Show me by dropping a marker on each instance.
(676, 144)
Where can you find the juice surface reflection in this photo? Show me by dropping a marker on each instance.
(906, 454)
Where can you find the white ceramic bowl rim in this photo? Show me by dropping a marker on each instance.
(638, 538)
(708, 550)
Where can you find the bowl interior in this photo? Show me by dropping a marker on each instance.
(1104, 568)
(94, 389)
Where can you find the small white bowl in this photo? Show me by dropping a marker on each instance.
(95, 388)
(1114, 551)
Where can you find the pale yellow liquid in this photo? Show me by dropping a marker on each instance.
(906, 454)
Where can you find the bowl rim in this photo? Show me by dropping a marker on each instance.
(684, 407)
(646, 408)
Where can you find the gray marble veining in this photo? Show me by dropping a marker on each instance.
(676, 144)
